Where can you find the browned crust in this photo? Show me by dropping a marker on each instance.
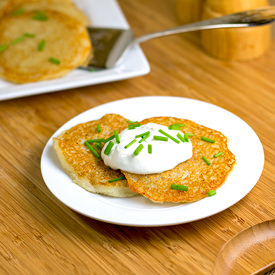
(194, 173)
(66, 39)
(84, 168)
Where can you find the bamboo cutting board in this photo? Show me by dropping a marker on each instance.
(40, 235)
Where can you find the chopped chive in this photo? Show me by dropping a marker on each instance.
(160, 138)
(186, 138)
(150, 148)
(211, 193)
(116, 136)
(41, 45)
(181, 137)
(189, 134)
(206, 160)
(108, 139)
(108, 149)
(3, 47)
(54, 60)
(40, 16)
(179, 187)
(218, 154)
(17, 40)
(169, 136)
(131, 143)
(30, 35)
(174, 127)
(97, 145)
(138, 150)
(98, 129)
(133, 126)
(92, 149)
(92, 70)
(208, 139)
(143, 134)
(131, 122)
(120, 178)
(18, 12)
(96, 140)
(144, 138)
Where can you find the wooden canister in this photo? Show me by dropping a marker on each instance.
(189, 10)
(235, 44)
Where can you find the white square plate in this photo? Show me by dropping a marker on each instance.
(104, 13)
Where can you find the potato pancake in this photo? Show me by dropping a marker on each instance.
(66, 7)
(66, 46)
(194, 173)
(84, 168)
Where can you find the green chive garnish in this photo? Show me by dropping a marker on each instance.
(17, 40)
(41, 45)
(186, 138)
(134, 126)
(98, 129)
(120, 178)
(174, 127)
(92, 70)
(40, 16)
(18, 12)
(96, 140)
(179, 187)
(169, 136)
(97, 146)
(206, 160)
(218, 154)
(108, 149)
(144, 138)
(30, 35)
(160, 138)
(131, 122)
(54, 60)
(92, 149)
(138, 150)
(189, 134)
(3, 47)
(150, 148)
(131, 143)
(143, 134)
(116, 136)
(211, 193)
(181, 137)
(208, 139)
(108, 139)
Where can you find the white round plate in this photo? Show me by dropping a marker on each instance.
(139, 211)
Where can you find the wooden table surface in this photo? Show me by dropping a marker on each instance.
(40, 235)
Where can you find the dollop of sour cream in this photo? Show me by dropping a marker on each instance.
(165, 154)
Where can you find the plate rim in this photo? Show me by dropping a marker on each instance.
(152, 224)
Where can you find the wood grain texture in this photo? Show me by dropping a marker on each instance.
(39, 235)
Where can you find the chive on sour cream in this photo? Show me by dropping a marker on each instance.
(132, 153)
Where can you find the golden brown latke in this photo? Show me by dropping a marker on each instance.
(84, 168)
(194, 173)
(66, 40)
(63, 6)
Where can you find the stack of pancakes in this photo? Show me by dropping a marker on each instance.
(25, 24)
(92, 174)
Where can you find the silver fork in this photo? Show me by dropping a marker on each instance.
(110, 44)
